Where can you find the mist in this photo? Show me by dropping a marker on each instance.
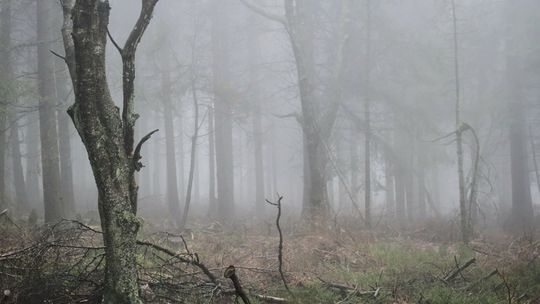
(149, 131)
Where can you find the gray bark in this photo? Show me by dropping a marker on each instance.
(108, 136)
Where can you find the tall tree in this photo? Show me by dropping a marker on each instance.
(5, 70)
(223, 128)
(21, 197)
(173, 200)
(50, 162)
(254, 55)
(367, 117)
(108, 135)
(459, 135)
(63, 94)
(317, 121)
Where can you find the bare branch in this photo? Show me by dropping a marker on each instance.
(114, 42)
(57, 55)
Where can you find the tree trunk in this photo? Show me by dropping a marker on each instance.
(522, 210)
(170, 147)
(212, 203)
(193, 153)
(108, 136)
(459, 140)
(33, 165)
(389, 186)
(222, 114)
(64, 141)
(50, 162)
(5, 71)
(18, 175)
(367, 117)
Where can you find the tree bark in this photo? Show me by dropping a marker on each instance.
(108, 136)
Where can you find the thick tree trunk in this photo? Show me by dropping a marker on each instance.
(50, 161)
(108, 136)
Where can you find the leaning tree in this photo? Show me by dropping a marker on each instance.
(108, 134)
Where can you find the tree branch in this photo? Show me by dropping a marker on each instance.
(137, 154)
(128, 71)
(114, 42)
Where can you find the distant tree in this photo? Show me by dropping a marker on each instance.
(5, 71)
(108, 135)
(50, 159)
(223, 127)
(317, 118)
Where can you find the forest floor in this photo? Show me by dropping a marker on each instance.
(340, 264)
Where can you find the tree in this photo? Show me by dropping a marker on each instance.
(223, 128)
(107, 134)
(170, 147)
(459, 137)
(5, 70)
(50, 160)
(316, 121)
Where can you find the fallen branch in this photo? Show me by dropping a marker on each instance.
(195, 262)
(270, 299)
(452, 275)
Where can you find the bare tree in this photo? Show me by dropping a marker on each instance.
(459, 137)
(107, 134)
(5, 70)
(50, 157)
(222, 112)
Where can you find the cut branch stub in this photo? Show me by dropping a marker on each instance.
(137, 154)
(230, 273)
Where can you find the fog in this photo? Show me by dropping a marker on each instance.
(358, 115)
